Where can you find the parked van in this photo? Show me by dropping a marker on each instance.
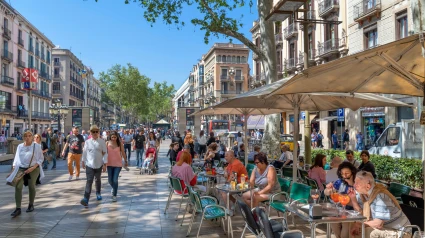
(400, 140)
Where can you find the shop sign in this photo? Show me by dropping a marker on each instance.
(373, 111)
(373, 114)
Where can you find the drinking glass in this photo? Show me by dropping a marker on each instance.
(314, 193)
(344, 199)
(335, 198)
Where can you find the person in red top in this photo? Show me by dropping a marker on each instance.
(184, 172)
(234, 165)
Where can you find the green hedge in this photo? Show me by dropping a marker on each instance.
(402, 170)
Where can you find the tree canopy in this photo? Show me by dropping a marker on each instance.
(126, 87)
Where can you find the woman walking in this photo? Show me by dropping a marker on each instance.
(202, 140)
(188, 140)
(44, 149)
(28, 159)
(115, 154)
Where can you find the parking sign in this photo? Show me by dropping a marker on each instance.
(341, 116)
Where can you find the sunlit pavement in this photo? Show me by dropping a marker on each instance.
(139, 211)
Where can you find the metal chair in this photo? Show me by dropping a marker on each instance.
(249, 169)
(209, 212)
(176, 186)
(397, 190)
(303, 174)
(415, 216)
(287, 172)
(270, 228)
(299, 192)
(250, 222)
(413, 201)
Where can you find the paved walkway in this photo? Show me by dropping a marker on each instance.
(139, 211)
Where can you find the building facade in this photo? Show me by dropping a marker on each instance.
(23, 46)
(93, 96)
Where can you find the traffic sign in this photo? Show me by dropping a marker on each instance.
(302, 115)
(341, 116)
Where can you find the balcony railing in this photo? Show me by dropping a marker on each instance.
(311, 56)
(278, 38)
(41, 93)
(8, 81)
(224, 77)
(311, 15)
(7, 55)
(21, 42)
(57, 91)
(57, 63)
(40, 115)
(7, 33)
(42, 55)
(328, 47)
(21, 64)
(239, 77)
(31, 49)
(8, 109)
(56, 76)
(366, 8)
(328, 6)
(45, 75)
(291, 30)
(291, 63)
(37, 52)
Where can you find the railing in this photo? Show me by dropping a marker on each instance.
(239, 77)
(45, 75)
(328, 46)
(7, 33)
(6, 80)
(8, 109)
(37, 52)
(57, 91)
(365, 7)
(56, 63)
(7, 55)
(40, 115)
(230, 45)
(290, 30)
(224, 77)
(21, 63)
(56, 76)
(21, 42)
(326, 6)
(311, 15)
(311, 56)
(42, 93)
(42, 55)
(278, 38)
(291, 63)
(31, 49)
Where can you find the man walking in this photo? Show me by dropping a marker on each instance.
(346, 139)
(359, 141)
(334, 140)
(127, 138)
(95, 158)
(52, 144)
(139, 141)
(75, 141)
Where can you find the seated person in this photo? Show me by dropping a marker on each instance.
(251, 155)
(381, 209)
(212, 154)
(234, 165)
(317, 172)
(241, 153)
(331, 175)
(147, 160)
(184, 172)
(366, 164)
(264, 176)
(285, 159)
(346, 173)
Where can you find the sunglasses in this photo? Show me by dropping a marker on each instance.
(94, 131)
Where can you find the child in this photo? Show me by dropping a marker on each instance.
(147, 161)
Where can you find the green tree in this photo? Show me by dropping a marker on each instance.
(217, 21)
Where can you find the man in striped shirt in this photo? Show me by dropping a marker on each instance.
(384, 215)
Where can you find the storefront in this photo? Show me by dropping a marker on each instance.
(373, 124)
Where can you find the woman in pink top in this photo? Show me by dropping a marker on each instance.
(115, 154)
(317, 172)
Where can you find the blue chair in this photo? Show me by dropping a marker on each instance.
(176, 186)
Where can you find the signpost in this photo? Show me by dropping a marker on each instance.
(29, 82)
(341, 118)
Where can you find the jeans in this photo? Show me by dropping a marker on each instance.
(77, 159)
(139, 156)
(113, 173)
(92, 174)
(335, 146)
(359, 146)
(31, 188)
(127, 149)
(53, 155)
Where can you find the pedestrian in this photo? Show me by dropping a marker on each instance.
(85, 135)
(314, 139)
(320, 139)
(140, 141)
(114, 163)
(359, 141)
(334, 140)
(346, 139)
(202, 140)
(174, 150)
(25, 170)
(211, 139)
(52, 143)
(127, 138)
(95, 158)
(188, 140)
(75, 142)
(177, 139)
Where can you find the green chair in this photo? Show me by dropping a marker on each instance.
(298, 192)
(397, 190)
(303, 174)
(287, 172)
(249, 169)
(285, 184)
(209, 208)
(313, 184)
(176, 186)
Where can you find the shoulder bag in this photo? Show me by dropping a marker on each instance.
(21, 173)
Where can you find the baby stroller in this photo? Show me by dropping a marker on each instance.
(150, 168)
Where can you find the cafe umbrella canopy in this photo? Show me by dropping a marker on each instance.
(260, 99)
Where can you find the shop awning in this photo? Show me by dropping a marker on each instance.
(327, 118)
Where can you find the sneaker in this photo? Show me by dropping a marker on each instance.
(98, 196)
(30, 208)
(54, 167)
(70, 177)
(77, 178)
(84, 202)
(114, 198)
(16, 213)
(44, 167)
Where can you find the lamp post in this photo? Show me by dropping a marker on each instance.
(58, 111)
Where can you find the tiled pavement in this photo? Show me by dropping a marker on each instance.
(139, 211)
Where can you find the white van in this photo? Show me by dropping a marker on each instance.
(400, 140)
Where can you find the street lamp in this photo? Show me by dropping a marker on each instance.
(58, 111)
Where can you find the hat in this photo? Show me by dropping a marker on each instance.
(94, 128)
(187, 146)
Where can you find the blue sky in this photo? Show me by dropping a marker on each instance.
(109, 32)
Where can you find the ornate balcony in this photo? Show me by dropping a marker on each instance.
(7, 33)
(327, 7)
(278, 38)
(21, 42)
(328, 48)
(20, 63)
(291, 64)
(311, 57)
(291, 31)
(7, 55)
(366, 9)
(7, 81)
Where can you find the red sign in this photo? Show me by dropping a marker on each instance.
(29, 79)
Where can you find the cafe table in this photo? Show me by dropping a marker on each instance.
(330, 215)
(226, 188)
(210, 179)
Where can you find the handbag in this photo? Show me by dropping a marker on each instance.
(21, 173)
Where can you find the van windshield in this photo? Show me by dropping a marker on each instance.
(390, 137)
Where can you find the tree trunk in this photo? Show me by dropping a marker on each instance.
(271, 137)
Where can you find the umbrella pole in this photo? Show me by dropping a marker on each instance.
(295, 152)
(245, 138)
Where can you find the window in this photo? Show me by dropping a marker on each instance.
(224, 72)
(6, 23)
(238, 88)
(36, 64)
(401, 25)
(56, 60)
(19, 55)
(6, 47)
(389, 137)
(5, 100)
(218, 58)
(223, 59)
(36, 45)
(30, 44)
(371, 38)
(243, 60)
(234, 59)
(19, 34)
(291, 50)
(238, 59)
(48, 57)
(4, 70)
(30, 61)
(56, 72)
